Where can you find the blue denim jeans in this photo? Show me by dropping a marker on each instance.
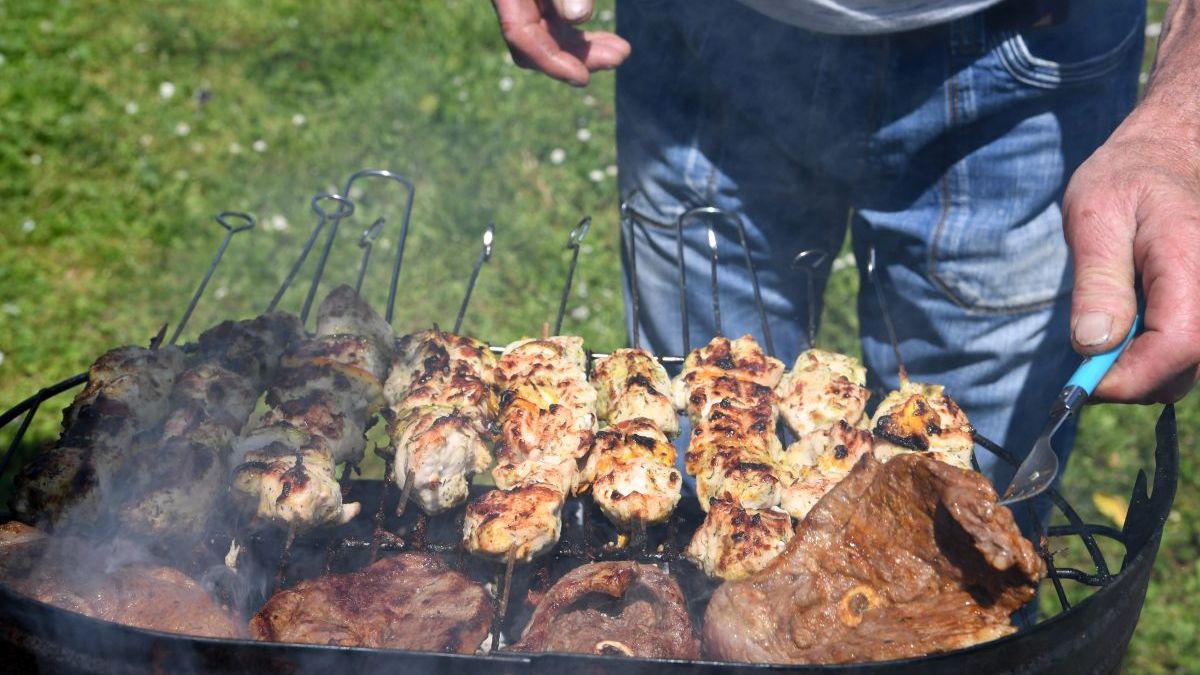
(951, 147)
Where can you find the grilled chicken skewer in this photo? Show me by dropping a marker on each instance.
(172, 489)
(547, 424)
(319, 408)
(631, 469)
(726, 389)
(922, 418)
(442, 395)
(126, 392)
(823, 401)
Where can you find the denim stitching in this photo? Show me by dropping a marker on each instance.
(1028, 69)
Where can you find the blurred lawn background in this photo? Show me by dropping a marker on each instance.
(124, 127)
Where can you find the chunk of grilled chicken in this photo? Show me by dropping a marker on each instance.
(127, 392)
(560, 473)
(728, 393)
(532, 433)
(732, 473)
(290, 479)
(922, 418)
(822, 389)
(525, 520)
(334, 416)
(440, 453)
(819, 461)
(536, 360)
(632, 473)
(631, 383)
(346, 352)
(733, 542)
(353, 391)
(250, 347)
(343, 312)
(741, 358)
(434, 354)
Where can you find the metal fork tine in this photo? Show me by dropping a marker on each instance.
(574, 240)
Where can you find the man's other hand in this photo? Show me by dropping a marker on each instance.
(541, 35)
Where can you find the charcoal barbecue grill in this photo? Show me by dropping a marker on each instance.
(1089, 636)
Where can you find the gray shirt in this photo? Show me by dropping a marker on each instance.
(863, 17)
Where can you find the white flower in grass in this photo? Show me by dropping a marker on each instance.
(1153, 30)
(506, 83)
(197, 148)
(299, 120)
(45, 26)
(235, 148)
(595, 175)
(463, 96)
(458, 80)
(141, 48)
(35, 159)
(1143, 78)
(293, 22)
(589, 100)
(220, 292)
(146, 140)
(580, 313)
(278, 222)
(558, 156)
(610, 170)
(166, 90)
(11, 308)
(584, 135)
(2, 59)
(131, 108)
(606, 15)
(183, 129)
(509, 59)
(182, 175)
(259, 146)
(1, 358)
(28, 225)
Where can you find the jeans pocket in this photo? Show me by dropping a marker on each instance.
(987, 265)
(1093, 42)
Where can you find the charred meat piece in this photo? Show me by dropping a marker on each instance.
(442, 396)
(741, 358)
(98, 580)
(819, 461)
(526, 520)
(735, 542)
(631, 383)
(613, 609)
(822, 389)
(938, 565)
(411, 601)
(922, 418)
(632, 473)
(126, 393)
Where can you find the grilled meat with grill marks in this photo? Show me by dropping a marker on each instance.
(613, 609)
(526, 519)
(126, 393)
(819, 461)
(735, 542)
(632, 473)
(410, 601)
(936, 565)
(631, 383)
(442, 396)
(922, 418)
(822, 389)
(741, 358)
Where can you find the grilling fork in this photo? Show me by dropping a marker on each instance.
(1040, 467)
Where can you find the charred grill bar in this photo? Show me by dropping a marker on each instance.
(1090, 635)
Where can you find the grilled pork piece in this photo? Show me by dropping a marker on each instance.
(938, 565)
(441, 391)
(97, 580)
(287, 460)
(727, 390)
(613, 609)
(631, 383)
(922, 418)
(170, 491)
(632, 473)
(126, 393)
(822, 389)
(410, 601)
(819, 461)
(734, 542)
(547, 424)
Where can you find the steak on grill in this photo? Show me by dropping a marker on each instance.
(410, 601)
(613, 608)
(900, 559)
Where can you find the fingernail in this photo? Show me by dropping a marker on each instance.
(574, 10)
(1093, 328)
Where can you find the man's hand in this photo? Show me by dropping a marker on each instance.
(1131, 214)
(541, 36)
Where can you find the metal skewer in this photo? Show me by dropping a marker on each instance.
(485, 254)
(683, 308)
(230, 230)
(573, 241)
(345, 209)
(716, 297)
(366, 243)
(410, 192)
(809, 261)
(631, 241)
(873, 277)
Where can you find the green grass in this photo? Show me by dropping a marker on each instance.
(109, 191)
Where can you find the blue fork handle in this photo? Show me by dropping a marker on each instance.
(1093, 368)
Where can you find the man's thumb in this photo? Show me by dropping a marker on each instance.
(574, 11)
(1103, 303)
